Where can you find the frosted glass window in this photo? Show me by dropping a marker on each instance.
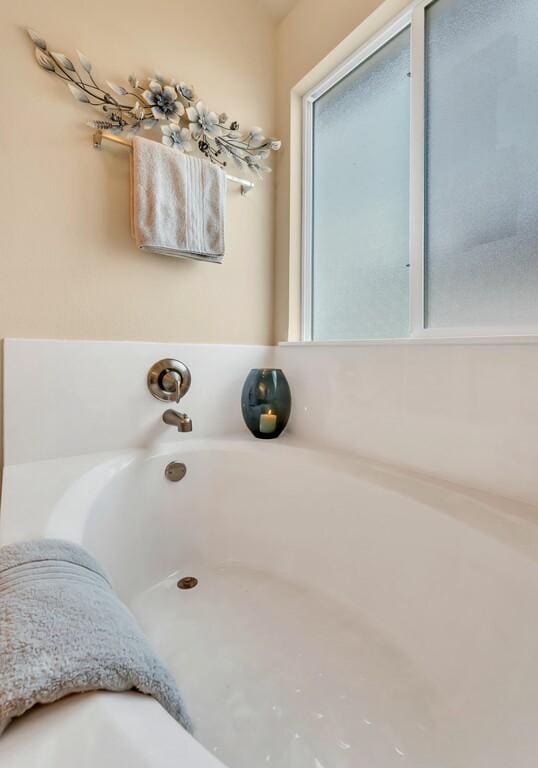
(360, 206)
(481, 235)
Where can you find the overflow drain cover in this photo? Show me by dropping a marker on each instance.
(187, 582)
(175, 471)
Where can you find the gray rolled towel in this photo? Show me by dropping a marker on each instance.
(63, 631)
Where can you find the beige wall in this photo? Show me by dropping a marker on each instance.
(315, 37)
(68, 266)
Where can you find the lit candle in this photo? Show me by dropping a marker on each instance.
(267, 423)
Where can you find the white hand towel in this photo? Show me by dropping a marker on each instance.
(177, 202)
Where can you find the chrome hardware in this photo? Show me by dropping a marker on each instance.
(175, 471)
(179, 420)
(169, 380)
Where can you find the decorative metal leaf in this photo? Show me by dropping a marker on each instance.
(43, 60)
(150, 123)
(133, 82)
(118, 89)
(78, 93)
(85, 63)
(138, 111)
(36, 39)
(62, 61)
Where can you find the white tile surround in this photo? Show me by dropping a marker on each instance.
(467, 413)
(65, 398)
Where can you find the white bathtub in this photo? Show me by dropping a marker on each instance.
(346, 615)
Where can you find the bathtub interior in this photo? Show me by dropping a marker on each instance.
(345, 613)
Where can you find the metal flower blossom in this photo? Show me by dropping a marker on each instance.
(187, 91)
(256, 136)
(202, 122)
(179, 138)
(184, 119)
(163, 101)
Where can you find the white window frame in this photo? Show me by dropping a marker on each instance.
(414, 17)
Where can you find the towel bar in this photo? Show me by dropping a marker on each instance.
(99, 135)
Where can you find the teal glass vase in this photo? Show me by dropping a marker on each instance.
(266, 402)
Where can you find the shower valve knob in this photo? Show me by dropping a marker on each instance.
(169, 380)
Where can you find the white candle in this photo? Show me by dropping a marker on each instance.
(267, 423)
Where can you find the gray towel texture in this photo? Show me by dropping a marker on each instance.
(63, 631)
(177, 202)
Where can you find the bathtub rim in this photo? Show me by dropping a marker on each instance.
(512, 522)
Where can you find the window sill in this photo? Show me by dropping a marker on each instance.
(428, 341)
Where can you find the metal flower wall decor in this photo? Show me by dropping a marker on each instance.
(185, 121)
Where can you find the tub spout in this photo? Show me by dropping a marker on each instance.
(179, 420)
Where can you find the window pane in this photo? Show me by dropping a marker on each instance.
(361, 200)
(482, 163)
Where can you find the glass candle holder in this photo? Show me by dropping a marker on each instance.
(266, 402)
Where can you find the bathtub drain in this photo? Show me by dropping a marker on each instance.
(187, 582)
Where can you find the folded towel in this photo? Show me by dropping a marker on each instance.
(63, 631)
(177, 202)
